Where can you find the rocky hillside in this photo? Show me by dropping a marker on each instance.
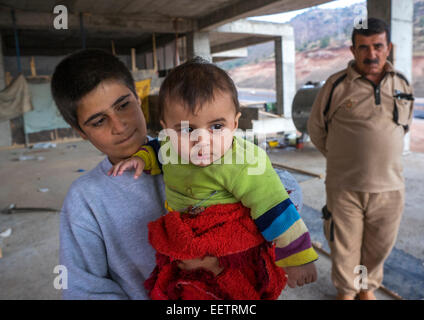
(322, 48)
(419, 27)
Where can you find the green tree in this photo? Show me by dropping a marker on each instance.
(324, 42)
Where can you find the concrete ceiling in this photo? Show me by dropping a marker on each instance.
(129, 23)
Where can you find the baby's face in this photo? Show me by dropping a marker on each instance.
(205, 136)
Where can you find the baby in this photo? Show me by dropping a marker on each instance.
(205, 165)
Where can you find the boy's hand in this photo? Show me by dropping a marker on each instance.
(300, 275)
(131, 163)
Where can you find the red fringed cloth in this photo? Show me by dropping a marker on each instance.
(224, 231)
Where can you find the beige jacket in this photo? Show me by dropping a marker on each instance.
(363, 144)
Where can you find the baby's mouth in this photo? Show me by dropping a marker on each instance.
(203, 156)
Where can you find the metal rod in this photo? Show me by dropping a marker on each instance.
(18, 53)
(82, 30)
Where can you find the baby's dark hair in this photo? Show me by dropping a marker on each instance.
(80, 73)
(195, 83)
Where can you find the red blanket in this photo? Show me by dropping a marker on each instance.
(224, 231)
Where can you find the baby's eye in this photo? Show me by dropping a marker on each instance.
(186, 129)
(217, 126)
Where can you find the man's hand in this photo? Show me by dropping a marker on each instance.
(209, 263)
(301, 275)
(131, 163)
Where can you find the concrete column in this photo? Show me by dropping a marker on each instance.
(2, 73)
(5, 134)
(398, 14)
(285, 74)
(198, 45)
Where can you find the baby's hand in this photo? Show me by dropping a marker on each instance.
(131, 163)
(300, 275)
(209, 263)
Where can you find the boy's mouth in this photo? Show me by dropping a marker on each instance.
(127, 138)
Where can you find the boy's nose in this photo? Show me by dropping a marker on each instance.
(118, 125)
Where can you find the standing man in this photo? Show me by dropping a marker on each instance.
(358, 122)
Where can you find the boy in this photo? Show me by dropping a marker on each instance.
(199, 99)
(103, 224)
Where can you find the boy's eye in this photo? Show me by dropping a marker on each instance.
(122, 106)
(98, 123)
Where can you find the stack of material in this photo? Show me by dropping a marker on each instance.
(15, 99)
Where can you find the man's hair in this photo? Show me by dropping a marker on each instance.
(195, 83)
(80, 73)
(375, 26)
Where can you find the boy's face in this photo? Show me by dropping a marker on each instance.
(205, 136)
(111, 118)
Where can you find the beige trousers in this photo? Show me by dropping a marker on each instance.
(361, 232)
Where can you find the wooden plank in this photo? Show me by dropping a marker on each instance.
(33, 69)
(133, 62)
(309, 173)
(155, 58)
(113, 47)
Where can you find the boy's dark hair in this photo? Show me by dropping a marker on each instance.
(375, 26)
(194, 83)
(80, 73)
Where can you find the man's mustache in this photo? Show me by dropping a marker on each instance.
(372, 61)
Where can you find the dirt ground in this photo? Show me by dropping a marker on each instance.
(30, 254)
(417, 135)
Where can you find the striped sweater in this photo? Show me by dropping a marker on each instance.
(251, 180)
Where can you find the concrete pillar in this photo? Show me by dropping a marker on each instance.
(398, 14)
(2, 73)
(285, 74)
(198, 45)
(5, 134)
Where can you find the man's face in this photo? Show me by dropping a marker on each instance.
(111, 118)
(371, 53)
(205, 136)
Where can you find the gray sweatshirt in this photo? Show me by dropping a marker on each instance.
(104, 236)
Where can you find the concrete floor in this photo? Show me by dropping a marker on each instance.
(30, 254)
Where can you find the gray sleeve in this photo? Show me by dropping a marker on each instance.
(83, 253)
